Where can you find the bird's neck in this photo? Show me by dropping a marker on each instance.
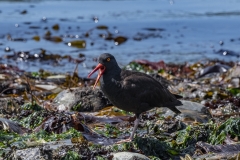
(110, 80)
(113, 73)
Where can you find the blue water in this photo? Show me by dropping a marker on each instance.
(192, 30)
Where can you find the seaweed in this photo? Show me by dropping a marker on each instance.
(229, 128)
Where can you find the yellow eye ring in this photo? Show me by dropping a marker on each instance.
(108, 59)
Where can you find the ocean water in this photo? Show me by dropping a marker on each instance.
(172, 31)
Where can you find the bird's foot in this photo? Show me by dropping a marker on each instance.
(124, 140)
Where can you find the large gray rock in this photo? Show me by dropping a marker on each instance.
(191, 111)
(129, 156)
(81, 99)
(233, 77)
(234, 72)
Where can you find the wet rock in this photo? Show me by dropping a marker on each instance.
(56, 150)
(9, 106)
(234, 72)
(170, 125)
(10, 87)
(191, 111)
(81, 99)
(226, 52)
(119, 40)
(2, 77)
(217, 68)
(11, 126)
(208, 148)
(77, 44)
(227, 156)
(233, 76)
(47, 151)
(56, 79)
(48, 87)
(234, 83)
(29, 154)
(129, 156)
(228, 151)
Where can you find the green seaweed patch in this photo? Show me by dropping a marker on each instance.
(108, 131)
(41, 74)
(71, 133)
(151, 146)
(229, 128)
(26, 140)
(154, 158)
(138, 67)
(189, 136)
(33, 120)
(30, 106)
(234, 91)
(183, 136)
(6, 137)
(100, 158)
(77, 106)
(182, 141)
(71, 155)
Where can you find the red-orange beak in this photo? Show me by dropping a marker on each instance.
(101, 69)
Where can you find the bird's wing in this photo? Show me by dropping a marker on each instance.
(147, 89)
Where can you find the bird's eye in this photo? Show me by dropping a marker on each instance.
(108, 59)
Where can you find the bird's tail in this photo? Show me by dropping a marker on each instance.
(174, 109)
(173, 105)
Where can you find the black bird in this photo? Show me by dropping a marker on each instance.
(132, 91)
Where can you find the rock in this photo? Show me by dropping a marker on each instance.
(234, 72)
(10, 106)
(2, 76)
(217, 68)
(129, 156)
(226, 52)
(47, 87)
(54, 150)
(42, 152)
(191, 111)
(57, 77)
(226, 151)
(29, 154)
(11, 126)
(208, 148)
(81, 99)
(233, 75)
(234, 83)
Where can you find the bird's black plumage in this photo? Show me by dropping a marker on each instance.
(133, 91)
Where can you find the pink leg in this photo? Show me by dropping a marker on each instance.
(136, 122)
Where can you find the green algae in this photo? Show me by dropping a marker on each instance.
(230, 127)
(30, 106)
(22, 141)
(109, 131)
(71, 155)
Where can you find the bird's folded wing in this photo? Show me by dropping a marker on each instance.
(147, 89)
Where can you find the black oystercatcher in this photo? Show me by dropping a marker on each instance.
(132, 91)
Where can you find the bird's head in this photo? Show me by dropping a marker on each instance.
(106, 63)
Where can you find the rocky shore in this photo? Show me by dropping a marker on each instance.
(59, 116)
